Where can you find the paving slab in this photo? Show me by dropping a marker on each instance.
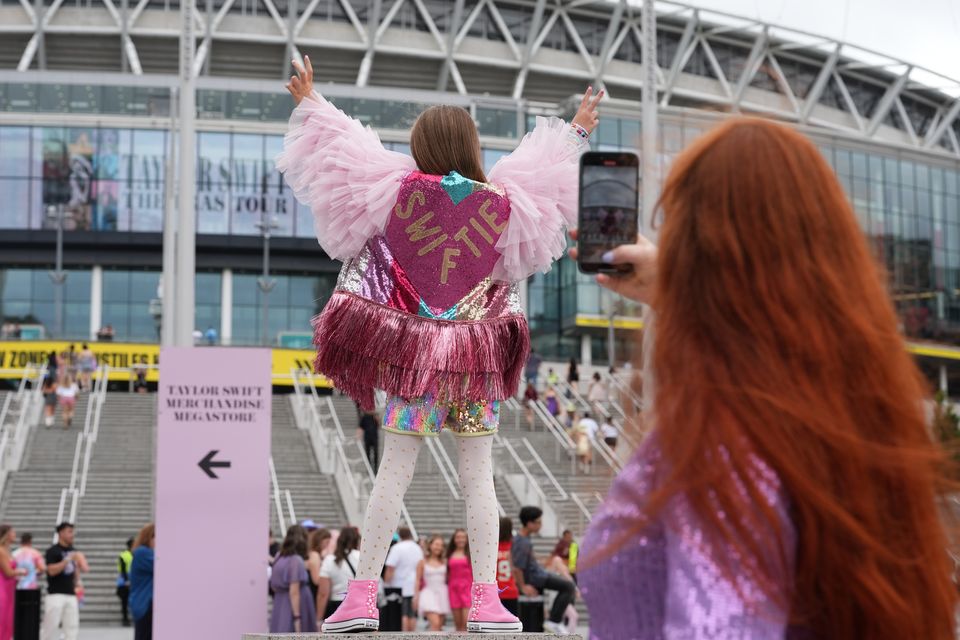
(413, 635)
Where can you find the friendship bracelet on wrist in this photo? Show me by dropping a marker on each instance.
(581, 131)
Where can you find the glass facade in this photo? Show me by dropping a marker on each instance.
(126, 304)
(207, 305)
(909, 208)
(26, 97)
(110, 179)
(294, 300)
(105, 179)
(27, 298)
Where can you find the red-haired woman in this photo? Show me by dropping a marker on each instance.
(789, 486)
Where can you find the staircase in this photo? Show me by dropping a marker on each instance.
(31, 496)
(314, 495)
(119, 498)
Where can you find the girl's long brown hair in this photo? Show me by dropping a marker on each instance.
(776, 340)
(347, 541)
(443, 139)
(317, 539)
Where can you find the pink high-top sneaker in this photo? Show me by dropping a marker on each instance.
(358, 611)
(487, 613)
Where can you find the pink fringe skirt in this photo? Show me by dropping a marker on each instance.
(363, 345)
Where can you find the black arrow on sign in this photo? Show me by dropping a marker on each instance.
(207, 464)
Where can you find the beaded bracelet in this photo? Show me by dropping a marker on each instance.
(581, 131)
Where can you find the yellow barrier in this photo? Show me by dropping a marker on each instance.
(16, 355)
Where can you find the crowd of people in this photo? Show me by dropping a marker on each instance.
(24, 570)
(583, 427)
(428, 578)
(68, 374)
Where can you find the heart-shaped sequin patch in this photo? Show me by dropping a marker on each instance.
(443, 233)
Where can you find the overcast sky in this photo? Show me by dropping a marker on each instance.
(924, 32)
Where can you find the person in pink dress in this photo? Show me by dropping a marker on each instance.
(9, 574)
(459, 577)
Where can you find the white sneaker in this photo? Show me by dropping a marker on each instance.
(555, 627)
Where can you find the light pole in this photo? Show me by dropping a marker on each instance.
(58, 276)
(649, 116)
(265, 283)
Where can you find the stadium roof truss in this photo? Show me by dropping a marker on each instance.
(725, 62)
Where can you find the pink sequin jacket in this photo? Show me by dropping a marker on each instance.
(426, 301)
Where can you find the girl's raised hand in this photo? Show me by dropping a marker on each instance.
(587, 115)
(301, 85)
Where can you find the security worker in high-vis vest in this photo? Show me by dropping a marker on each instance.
(123, 579)
(572, 560)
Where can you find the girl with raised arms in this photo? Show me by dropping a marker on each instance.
(426, 306)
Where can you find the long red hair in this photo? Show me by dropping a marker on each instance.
(776, 340)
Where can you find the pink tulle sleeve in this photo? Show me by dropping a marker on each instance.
(341, 170)
(541, 180)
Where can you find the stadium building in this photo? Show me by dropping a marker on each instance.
(87, 90)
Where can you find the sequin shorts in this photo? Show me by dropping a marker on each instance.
(427, 417)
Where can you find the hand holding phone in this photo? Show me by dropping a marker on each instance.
(608, 215)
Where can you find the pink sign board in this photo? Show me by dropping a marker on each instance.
(212, 493)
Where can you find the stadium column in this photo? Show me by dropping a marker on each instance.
(226, 307)
(96, 300)
(186, 220)
(168, 293)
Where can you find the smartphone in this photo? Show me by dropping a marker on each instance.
(609, 207)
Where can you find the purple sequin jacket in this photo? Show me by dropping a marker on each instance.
(659, 584)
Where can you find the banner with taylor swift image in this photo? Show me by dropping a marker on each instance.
(81, 172)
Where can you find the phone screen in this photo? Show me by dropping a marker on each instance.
(609, 183)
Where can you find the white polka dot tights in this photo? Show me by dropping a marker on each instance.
(396, 471)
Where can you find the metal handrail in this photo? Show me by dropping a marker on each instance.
(432, 447)
(292, 513)
(3, 464)
(104, 378)
(29, 400)
(342, 455)
(624, 387)
(334, 417)
(86, 466)
(607, 454)
(97, 396)
(74, 505)
(62, 508)
(565, 387)
(74, 471)
(623, 434)
(580, 505)
(300, 397)
(545, 469)
(6, 408)
(553, 426)
(275, 490)
(523, 469)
